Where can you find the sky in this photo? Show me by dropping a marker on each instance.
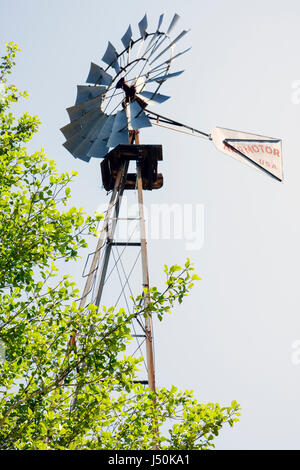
(237, 336)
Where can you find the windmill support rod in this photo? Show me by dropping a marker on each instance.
(177, 130)
(167, 120)
(145, 272)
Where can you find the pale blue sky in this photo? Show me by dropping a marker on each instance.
(232, 338)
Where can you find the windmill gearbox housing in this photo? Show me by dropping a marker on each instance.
(146, 155)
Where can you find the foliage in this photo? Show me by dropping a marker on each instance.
(56, 393)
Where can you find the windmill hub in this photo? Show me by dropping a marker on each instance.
(129, 90)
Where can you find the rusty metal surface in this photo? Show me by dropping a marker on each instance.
(147, 155)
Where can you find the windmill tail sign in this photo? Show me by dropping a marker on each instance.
(263, 152)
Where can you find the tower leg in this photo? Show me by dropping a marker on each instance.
(103, 235)
(106, 234)
(145, 272)
(98, 271)
(110, 229)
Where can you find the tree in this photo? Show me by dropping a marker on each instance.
(39, 313)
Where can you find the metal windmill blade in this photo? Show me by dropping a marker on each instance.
(86, 93)
(117, 95)
(126, 39)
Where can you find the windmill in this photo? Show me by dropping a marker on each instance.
(109, 111)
